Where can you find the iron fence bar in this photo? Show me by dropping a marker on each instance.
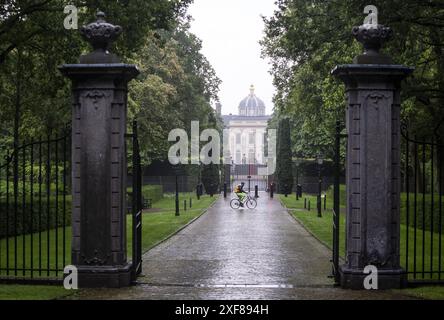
(1, 210)
(64, 200)
(7, 217)
(407, 170)
(16, 188)
(48, 207)
(415, 222)
(432, 206)
(32, 209)
(336, 204)
(440, 219)
(23, 231)
(56, 204)
(140, 216)
(137, 205)
(423, 206)
(40, 205)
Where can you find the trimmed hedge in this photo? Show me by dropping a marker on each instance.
(426, 225)
(153, 192)
(33, 217)
(420, 213)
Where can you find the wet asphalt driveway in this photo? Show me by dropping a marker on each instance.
(238, 254)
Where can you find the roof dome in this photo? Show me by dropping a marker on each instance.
(252, 106)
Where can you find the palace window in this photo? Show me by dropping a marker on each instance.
(251, 138)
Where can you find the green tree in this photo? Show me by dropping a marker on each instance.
(307, 39)
(34, 97)
(211, 172)
(211, 178)
(284, 165)
(177, 85)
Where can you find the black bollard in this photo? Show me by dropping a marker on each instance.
(197, 192)
(191, 202)
(256, 191)
(225, 190)
(305, 203)
(177, 197)
(325, 202)
(272, 191)
(309, 205)
(184, 205)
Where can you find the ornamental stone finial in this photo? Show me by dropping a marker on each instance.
(372, 35)
(100, 34)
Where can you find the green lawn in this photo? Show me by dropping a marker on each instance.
(157, 225)
(322, 229)
(21, 292)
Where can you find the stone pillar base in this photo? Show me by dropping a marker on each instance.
(387, 279)
(104, 276)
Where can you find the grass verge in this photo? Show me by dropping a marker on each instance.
(322, 229)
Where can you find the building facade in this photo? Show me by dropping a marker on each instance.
(247, 131)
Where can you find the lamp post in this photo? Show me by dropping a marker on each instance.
(320, 161)
(176, 198)
(249, 177)
(231, 174)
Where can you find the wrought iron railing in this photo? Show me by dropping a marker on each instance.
(35, 210)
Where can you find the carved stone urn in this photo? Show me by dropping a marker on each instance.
(372, 38)
(100, 34)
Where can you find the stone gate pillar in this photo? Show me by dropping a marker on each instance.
(373, 85)
(99, 84)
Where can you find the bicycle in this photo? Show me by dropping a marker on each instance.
(250, 202)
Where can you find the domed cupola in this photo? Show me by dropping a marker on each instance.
(252, 106)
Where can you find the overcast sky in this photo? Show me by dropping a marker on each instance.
(230, 31)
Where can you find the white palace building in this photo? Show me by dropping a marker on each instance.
(247, 131)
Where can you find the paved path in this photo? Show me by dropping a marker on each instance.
(245, 254)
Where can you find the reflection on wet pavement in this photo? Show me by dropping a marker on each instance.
(238, 254)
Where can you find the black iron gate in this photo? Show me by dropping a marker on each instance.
(35, 211)
(136, 205)
(421, 219)
(421, 209)
(251, 174)
(336, 202)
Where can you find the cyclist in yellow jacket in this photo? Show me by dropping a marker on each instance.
(239, 191)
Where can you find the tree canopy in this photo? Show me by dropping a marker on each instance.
(307, 39)
(177, 84)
